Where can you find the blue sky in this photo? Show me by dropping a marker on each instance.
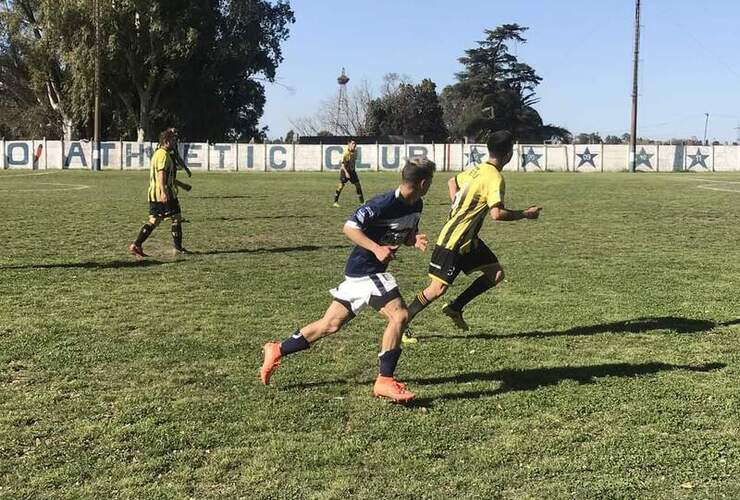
(690, 61)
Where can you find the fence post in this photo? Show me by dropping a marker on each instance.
(546, 148)
(321, 156)
(293, 156)
(208, 156)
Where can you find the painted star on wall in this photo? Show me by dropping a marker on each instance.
(698, 159)
(643, 158)
(474, 157)
(587, 157)
(531, 157)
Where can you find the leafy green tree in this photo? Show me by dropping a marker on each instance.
(592, 138)
(200, 65)
(45, 66)
(408, 110)
(496, 91)
(612, 139)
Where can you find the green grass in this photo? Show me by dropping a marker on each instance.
(606, 365)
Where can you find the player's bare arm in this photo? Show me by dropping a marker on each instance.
(500, 213)
(452, 187)
(356, 236)
(162, 191)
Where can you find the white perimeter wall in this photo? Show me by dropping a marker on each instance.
(117, 155)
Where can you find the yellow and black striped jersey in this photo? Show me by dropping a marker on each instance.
(349, 158)
(162, 161)
(479, 189)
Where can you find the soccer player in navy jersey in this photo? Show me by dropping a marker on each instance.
(378, 228)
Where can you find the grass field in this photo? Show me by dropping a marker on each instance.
(606, 366)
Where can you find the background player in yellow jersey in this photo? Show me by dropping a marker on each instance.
(162, 195)
(474, 193)
(347, 173)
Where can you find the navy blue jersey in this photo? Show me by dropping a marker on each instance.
(388, 220)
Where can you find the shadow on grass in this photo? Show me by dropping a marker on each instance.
(639, 325)
(260, 217)
(226, 197)
(116, 264)
(535, 378)
(303, 248)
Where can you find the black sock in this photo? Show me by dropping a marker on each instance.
(418, 305)
(338, 192)
(359, 193)
(388, 361)
(177, 235)
(295, 343)
(144, 233)
(479, 286)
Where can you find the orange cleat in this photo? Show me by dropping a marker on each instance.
(271, 362)
(136, 251)
(390, 388)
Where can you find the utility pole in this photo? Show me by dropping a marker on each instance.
(96, 134)
(706, 125)
(633, 129)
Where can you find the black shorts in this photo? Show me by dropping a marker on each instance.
(352, 177)
(446, 264)
(164, 210)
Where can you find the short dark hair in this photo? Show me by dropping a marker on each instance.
(168, 135)
(417, 169)
(500, 143)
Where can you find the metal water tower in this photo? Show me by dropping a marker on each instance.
(342, 105)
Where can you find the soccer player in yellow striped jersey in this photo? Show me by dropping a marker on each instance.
(347, 173)
(162, 195)
(474, 193)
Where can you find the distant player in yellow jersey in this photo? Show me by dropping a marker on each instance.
(347, 173)
(162, 195)
(474, 193)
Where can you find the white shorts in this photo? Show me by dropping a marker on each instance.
(375, 290)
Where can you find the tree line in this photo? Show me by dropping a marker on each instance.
(199, 65)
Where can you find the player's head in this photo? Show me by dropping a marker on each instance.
(417, 174)
(501, 147)
(168, 138)
(351, 144)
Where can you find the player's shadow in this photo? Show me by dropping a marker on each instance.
(535, 378)
(638, 325)
(302, 248)
(260, 217)
(227, 197)
(116, 264)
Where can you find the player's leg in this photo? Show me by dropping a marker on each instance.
(146, 230)
(482, 259)
(335, 317)
(443, 269)
(492, 276)
(176, 228)
(342, 181)
(386, 385)
(358, 187)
